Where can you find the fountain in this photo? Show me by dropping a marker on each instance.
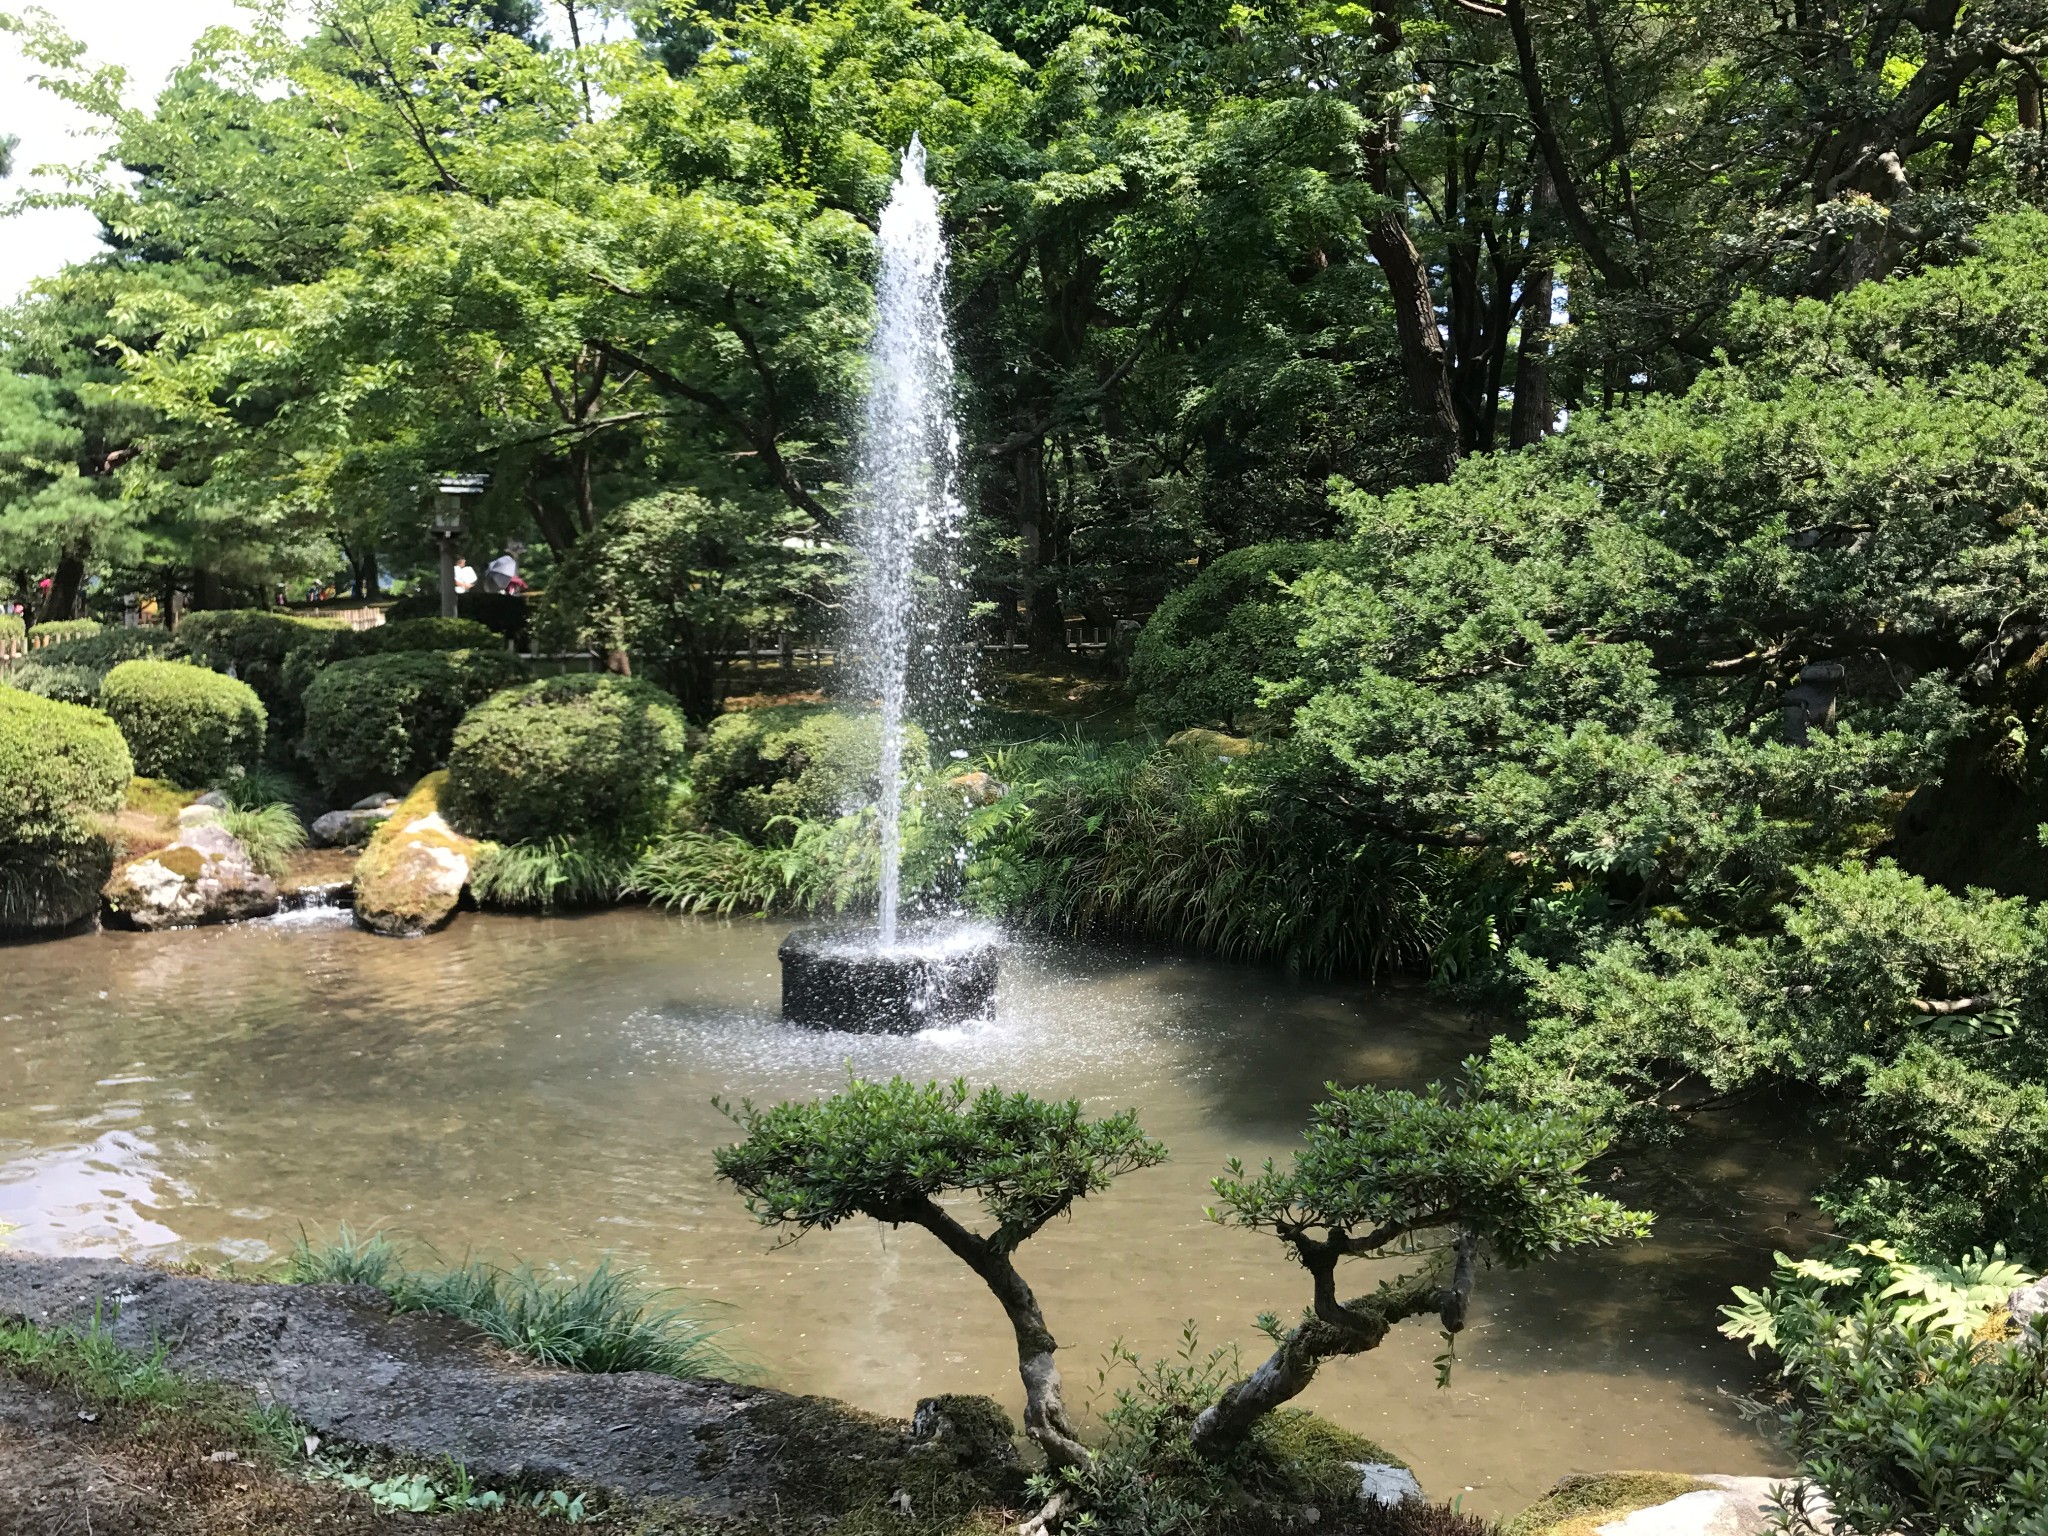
(906, 619)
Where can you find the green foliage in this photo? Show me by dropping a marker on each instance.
(381, 721)
(254, 642)
(555, 872)
(1201, 655)
(1146, 1480)
(578, 756)
(603, 1321)
(60, 766)
(184, 723)
(12, 627)
(1157, 844)
(678, 580)
(886, 1150)
(74, 669)
(303, 662)
(1382, 1164)
(1909, 1410)
(763, 772)
(1917, 1012)
(271, 832)
(61, 631)
(90, 1363)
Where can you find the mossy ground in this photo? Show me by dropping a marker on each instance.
(1577, 1506)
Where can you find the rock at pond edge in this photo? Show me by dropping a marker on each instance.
(410, 878)
(204, 876)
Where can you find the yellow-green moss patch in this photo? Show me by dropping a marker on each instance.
(1579, 1505)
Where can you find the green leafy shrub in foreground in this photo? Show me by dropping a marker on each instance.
(74, 669)
(549, 873)
(184, 723)
(603, 1321)
(1199, 658)
(1916, 1407)
(760, 771)
(380, 722)
(584, 756)
(62, 767)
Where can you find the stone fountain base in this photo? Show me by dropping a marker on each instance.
(837, 978)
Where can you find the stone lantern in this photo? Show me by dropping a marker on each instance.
(447, 527)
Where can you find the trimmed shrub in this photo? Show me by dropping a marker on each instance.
(184, 723)
(380, 722)
(61, 767)
(589, 755)
(1200, 656)
(304, 662)
(254, 642)
(59, 630)
(12, 627)
(73, 670)
(807, 762)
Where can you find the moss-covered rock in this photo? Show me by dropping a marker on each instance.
(1579, 1505)
(1208, 746)
(410, 879)
(203, 876)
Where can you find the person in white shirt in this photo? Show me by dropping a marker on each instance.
(465, 575)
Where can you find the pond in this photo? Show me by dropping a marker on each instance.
(542, 1087)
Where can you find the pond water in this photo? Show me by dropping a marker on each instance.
(542, 1087)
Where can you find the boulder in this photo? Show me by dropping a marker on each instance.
(1381, 1482)
(2029, 1308)
(411, 877)
(214, 798)
(378, 801)
(1210, 745)
(348, 829)
(205, 876)
(200, 813)
(978, 788)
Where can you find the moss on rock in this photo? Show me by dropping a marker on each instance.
(410, 878)
(1580, 1504)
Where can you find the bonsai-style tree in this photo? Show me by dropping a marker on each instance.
(1446, 1178)
(890, 1151)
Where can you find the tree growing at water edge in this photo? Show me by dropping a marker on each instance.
(890, 1151)
(1445, 1177)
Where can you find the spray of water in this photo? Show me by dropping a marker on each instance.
(907, 605)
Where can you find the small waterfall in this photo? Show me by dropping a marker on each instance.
(907, 608)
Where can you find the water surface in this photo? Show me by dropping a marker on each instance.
(543, 1087)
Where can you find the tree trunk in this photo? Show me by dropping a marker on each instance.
(1335, 1329)
(1423, 357)
(66, 583)
(1045, 1411)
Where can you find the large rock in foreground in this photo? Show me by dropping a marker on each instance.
(205, 875)
(428, 1386)
(411, 877)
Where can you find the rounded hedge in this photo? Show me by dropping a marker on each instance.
(303, 663)
(380, 722)
(810, 762)
(1200, 656)
(72, 670)
(60, 765)
(184, 723)
(567, 757)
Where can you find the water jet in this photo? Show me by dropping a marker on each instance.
(906, 620)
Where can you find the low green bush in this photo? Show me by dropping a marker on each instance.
(184, 723)
(380, 722)
(553, 872)
(1200, 657)
(254, 642)
(303, 663)
(582, 756)
(62, 768)
(1917, 1406)
(59, 630)
(801, 762)
(72, 670)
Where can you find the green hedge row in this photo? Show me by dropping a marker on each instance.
(73, 670)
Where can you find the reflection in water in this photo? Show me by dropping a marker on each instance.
(543, 1087)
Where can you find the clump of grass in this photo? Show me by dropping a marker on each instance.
(259, 785)
(272, 833)
(605, 1320)
(550, 873)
